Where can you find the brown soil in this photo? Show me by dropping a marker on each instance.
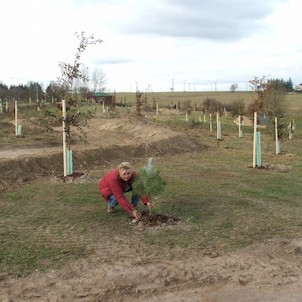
(124, 268)
(153, 220)
(108, 141)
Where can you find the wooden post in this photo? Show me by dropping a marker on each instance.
(276, 136)
(211, 123)
(16, 118)
(290, 130)
(217, 123)
(64, 137)
(218, 126)
(240, 131)
(255, 139)
(219, 133)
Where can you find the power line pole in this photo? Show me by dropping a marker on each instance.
(172, 86)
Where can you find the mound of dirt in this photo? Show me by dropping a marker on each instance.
(77, 177)
(107, 141)
(151, 220)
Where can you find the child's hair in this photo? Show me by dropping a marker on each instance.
(124, 166)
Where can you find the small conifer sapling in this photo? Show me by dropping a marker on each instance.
(148, 181)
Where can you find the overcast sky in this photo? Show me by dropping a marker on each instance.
(153, 45)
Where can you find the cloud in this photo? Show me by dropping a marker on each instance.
(213, 20)
(112, 60)
(151, 42)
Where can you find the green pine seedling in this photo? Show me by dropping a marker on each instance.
(148, 181)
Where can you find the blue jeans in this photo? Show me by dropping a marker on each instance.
(112, 202)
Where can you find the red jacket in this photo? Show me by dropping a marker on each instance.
(112, 184)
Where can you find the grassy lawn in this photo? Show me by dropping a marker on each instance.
(222, 202)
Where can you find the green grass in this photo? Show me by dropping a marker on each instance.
(222, 203)
(230, 208)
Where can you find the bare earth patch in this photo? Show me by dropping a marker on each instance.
(107, 140)
(123, 270)
(153, 220)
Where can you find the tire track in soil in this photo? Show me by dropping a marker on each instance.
(120, 270)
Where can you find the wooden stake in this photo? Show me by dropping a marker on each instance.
(64, 137)
(255, 140)
(239, 123)
(16, 118)
(276, 136)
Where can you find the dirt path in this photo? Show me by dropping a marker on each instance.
(23, 153)
(122, 270)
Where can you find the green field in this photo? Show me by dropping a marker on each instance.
(224, 204)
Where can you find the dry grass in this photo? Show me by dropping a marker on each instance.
(166, 98)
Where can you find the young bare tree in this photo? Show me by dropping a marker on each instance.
(270, 99)
(71, 72)
(233, 87)
(81, 81)
(71, 76)
(81, 87)
(98, 80)
(138, 107)
(258, 85)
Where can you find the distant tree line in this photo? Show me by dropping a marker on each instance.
(287, 86)
(284, 86)
(55, 91)
(31, 90)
